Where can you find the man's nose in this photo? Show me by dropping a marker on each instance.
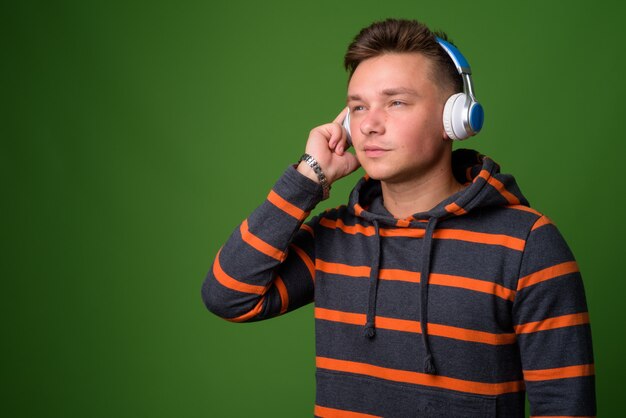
(373, 122)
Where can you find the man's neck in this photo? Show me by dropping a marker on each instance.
(420, 194)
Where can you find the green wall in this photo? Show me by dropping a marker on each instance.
(135, 136)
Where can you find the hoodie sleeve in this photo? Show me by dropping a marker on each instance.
(552, 327)
(266, 267)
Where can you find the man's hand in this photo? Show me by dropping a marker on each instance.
(327, 144)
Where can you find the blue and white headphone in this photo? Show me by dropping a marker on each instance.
(463, 116)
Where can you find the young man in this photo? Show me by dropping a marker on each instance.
(438, 291)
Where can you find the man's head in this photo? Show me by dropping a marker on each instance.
(405, 36)
(400, 80)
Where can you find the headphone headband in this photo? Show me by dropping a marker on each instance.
(462, 66)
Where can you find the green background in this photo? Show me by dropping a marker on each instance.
(135, 136)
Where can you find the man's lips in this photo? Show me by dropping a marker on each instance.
(373, 151)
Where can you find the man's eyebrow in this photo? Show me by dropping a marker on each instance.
(395, 91)
(399, 90)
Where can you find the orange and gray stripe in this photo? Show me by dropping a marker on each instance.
(436, 279)
(289, 208)
(559, 373)
(451, 234)
(556, 322)
(499, 186)
(258, 244)
(547, 273)
(416, 378)
(325, 412)
(404, 325)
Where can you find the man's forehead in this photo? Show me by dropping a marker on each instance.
(392, 74)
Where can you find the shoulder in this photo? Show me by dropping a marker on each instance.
(341, 220)
(339, 212)
(512, 220)
(333, 216)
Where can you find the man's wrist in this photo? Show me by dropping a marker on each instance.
(306, 170)
(309, 167)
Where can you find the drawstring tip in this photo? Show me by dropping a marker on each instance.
(369, 331)
(429, 366)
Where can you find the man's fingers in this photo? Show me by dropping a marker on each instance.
(335, 134)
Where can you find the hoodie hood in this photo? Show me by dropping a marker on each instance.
(485, 187)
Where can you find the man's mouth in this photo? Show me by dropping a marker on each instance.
(374, 151)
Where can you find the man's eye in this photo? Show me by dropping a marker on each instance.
(397, 103)
(357, 108)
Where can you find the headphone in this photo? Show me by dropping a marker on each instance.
(463, 116)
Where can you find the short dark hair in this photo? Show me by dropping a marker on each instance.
(402, 35)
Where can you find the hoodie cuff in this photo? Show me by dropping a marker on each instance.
(298, 189)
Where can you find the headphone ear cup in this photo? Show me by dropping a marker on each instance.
(453, 116)
(346, 125)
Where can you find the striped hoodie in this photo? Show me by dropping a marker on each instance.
(455, 312)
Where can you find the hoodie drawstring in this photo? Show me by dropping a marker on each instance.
(370, 327)
(369, 330)
(429, 363)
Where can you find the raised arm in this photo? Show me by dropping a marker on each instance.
(267, 266)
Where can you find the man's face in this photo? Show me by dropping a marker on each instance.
(396, 117)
